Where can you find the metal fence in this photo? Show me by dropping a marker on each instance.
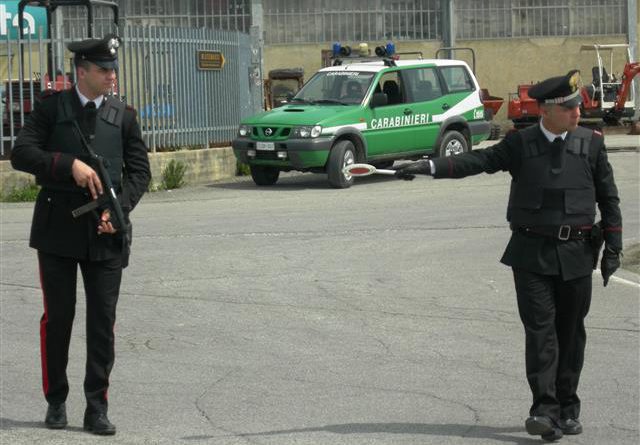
(230, 15)
(178, 104)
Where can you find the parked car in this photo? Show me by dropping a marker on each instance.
(374, 111)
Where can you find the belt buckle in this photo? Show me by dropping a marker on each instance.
(564, 232)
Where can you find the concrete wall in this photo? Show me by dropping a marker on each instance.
(203, 167)
(500, 64)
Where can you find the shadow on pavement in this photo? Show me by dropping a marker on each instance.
(9, 424)
(498, 434)
(296, 182)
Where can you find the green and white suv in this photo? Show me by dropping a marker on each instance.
(373, 112)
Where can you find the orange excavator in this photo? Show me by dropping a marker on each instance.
(609, 98)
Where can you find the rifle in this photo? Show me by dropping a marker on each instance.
(109, 199)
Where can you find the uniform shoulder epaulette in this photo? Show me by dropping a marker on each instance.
(598, 132)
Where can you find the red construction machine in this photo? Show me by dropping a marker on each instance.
(19, 95)
(608, 98)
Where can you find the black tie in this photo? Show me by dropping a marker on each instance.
(89, 118)
(557, 155)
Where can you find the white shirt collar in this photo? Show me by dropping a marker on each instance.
(551, 136)
(84, 100)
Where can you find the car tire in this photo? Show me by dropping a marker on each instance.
(264, 175)
(495, 132)
(342, 154)
(452, 143)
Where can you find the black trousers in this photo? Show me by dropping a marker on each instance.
(553, 313)
(58, 277)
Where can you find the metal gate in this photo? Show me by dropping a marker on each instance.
(191, 87)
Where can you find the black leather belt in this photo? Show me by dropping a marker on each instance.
(562, 233)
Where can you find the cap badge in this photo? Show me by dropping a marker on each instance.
(574, 80)
(113, 45)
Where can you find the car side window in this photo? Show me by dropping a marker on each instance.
(422, 84)
(457, 79)
(391, 85)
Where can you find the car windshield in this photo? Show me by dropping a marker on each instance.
(335, 87)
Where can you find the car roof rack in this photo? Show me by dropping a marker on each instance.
(388, 61)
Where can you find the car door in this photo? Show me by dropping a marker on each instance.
(389, 127)
(458, 86)
(425, 98)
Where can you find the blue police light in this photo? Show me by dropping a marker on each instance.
(390, 48)
(336, 49)
(341, 51)
(386, 51)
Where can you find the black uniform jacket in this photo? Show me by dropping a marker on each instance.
(544, 255)
(54, 230)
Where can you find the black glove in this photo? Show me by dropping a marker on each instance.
(609, 264)
(409, 171)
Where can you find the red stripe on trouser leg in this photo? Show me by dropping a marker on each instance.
(43, 338)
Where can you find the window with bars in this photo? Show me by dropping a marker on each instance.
(319, 21)
(490, 19)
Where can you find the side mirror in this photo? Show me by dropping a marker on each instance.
(378, 100)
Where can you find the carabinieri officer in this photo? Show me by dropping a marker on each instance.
(49, 146)
(559, 173)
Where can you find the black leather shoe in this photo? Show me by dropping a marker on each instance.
(98, 423)
(56, 417)
(552, 436)
(544, 427)
(570, 426)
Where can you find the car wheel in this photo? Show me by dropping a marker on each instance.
(342, 154)
(452, 143)
(264, 175)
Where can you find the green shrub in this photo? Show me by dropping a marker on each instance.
(22, 194)
(242, 169)
(173, 175)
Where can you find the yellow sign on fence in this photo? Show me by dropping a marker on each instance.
(210, 60)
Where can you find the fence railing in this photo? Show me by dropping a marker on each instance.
(180, 103)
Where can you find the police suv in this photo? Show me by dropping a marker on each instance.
(366, 111)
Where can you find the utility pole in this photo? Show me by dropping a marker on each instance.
(447, 10)
(257, 60)
(633, 21)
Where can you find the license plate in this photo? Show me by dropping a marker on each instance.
(265, 146)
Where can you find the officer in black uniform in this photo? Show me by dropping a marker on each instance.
(49, 147)
(559, 173)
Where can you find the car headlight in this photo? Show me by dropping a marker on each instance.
(244, 130)
(307, 132)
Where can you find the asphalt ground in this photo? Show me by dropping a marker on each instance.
(300, 314)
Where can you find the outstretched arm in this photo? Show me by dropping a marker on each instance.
(499, 157)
